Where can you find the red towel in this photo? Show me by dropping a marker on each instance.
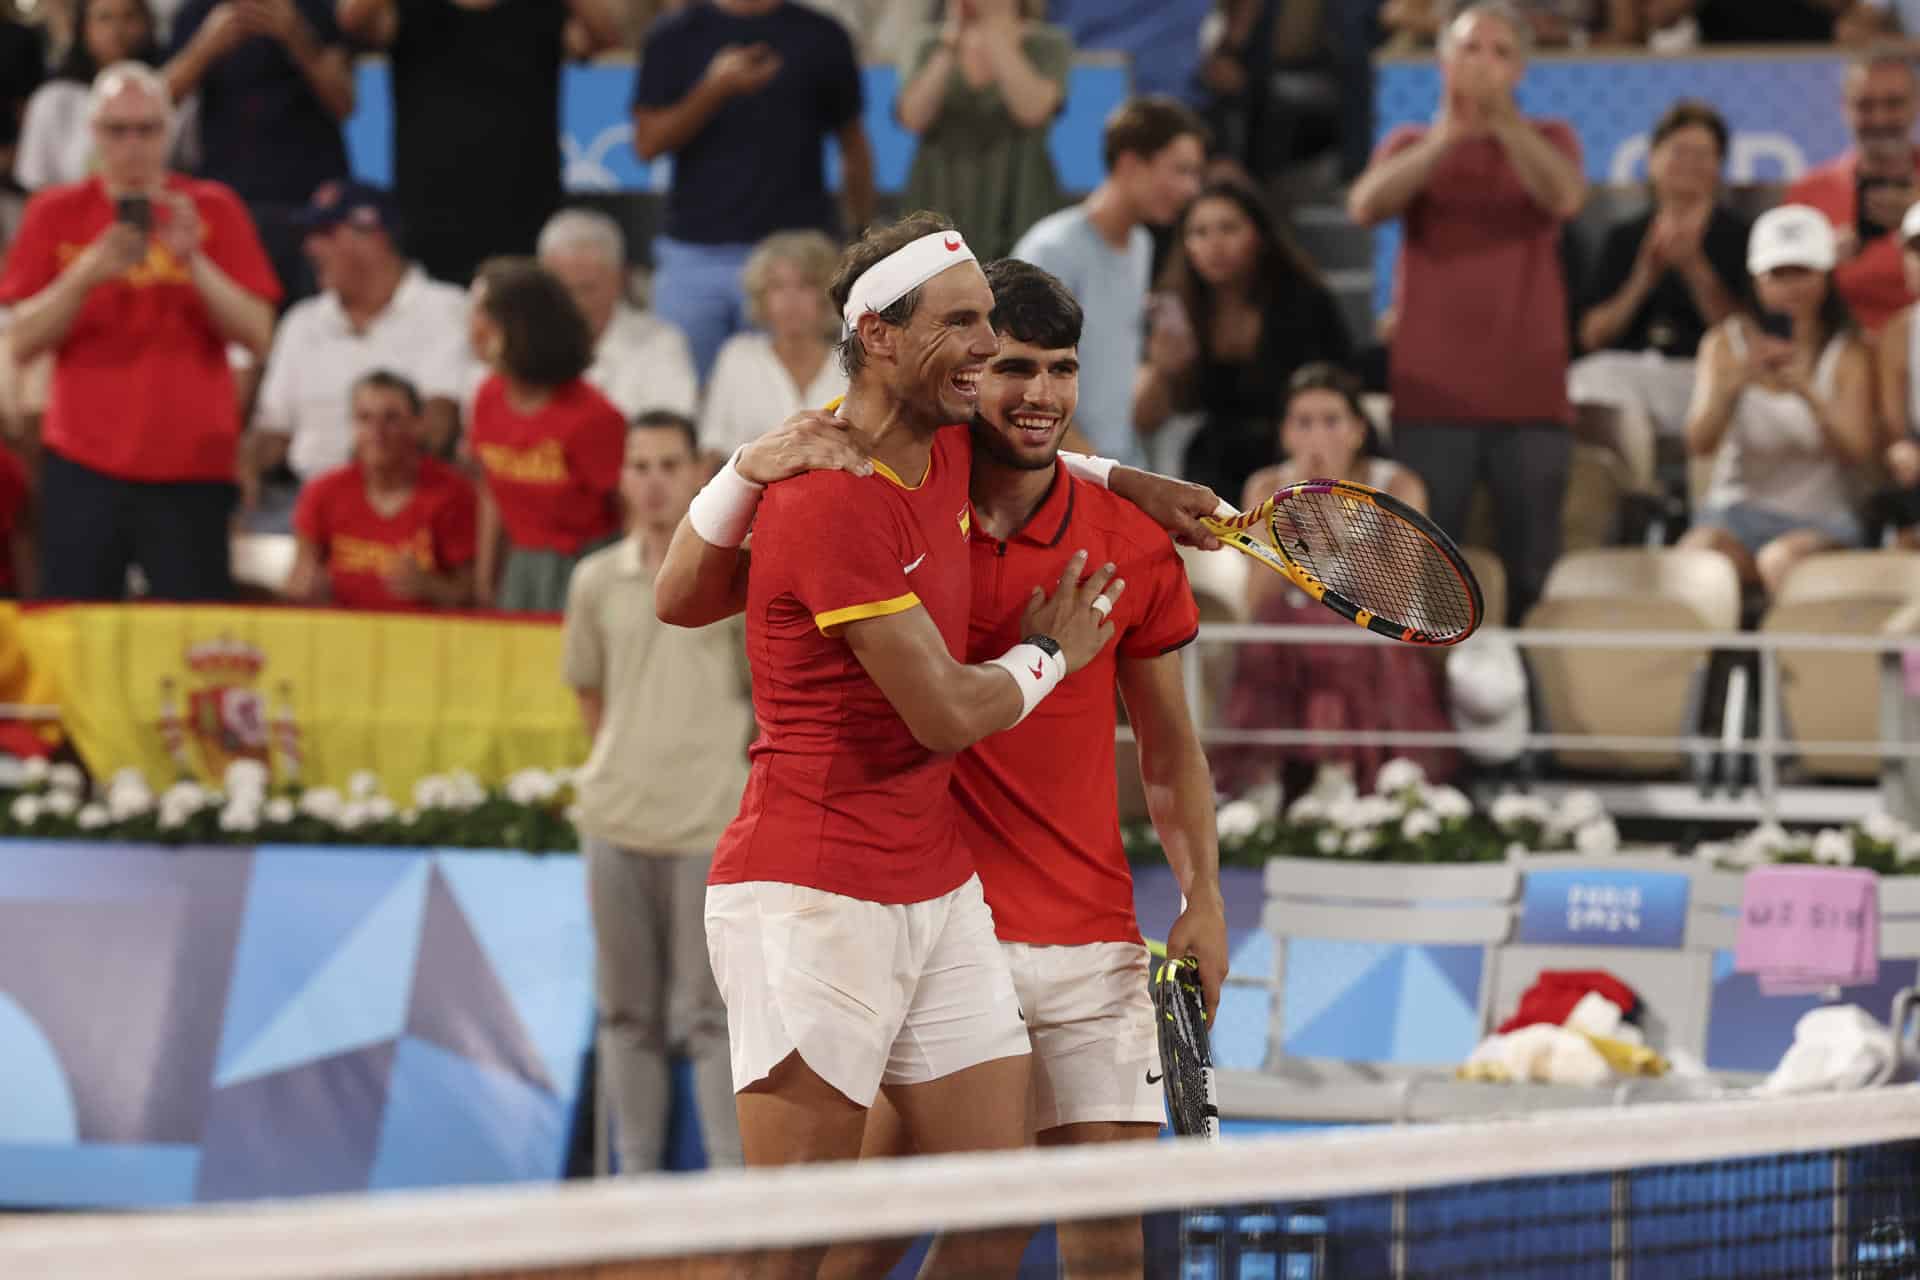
(1554, 993)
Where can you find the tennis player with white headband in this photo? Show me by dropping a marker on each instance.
(846, 926)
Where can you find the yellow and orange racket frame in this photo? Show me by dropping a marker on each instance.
(1364, 554)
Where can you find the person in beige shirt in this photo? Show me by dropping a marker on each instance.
(670, 715)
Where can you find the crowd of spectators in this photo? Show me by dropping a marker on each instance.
(211, 321)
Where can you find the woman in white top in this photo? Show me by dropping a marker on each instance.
(56, 146)
(1783, 404)
(786, 362)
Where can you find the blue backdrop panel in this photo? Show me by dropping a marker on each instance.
(1784, 114)
(596, 138)
(231, 1023)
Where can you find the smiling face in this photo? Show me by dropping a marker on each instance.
(1882, 104)
(1685, 165)
(1027, 398)
(386, 430)
(942, 350)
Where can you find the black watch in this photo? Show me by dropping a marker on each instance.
(1046, 644)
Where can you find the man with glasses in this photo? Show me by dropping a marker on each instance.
(137, 280)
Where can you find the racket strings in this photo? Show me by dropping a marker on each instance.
(1183, 1052)
(1375, 559)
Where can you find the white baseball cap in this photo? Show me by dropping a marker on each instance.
(1793, 235)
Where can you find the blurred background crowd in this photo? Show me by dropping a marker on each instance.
(233, 369)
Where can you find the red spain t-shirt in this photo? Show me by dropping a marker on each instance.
(360, 546)
(555, 472)
(1873, 280)
(1038, 803)
(841, 797)
(141, 388)
(1482, 334)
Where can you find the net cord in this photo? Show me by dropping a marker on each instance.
(502, 1229)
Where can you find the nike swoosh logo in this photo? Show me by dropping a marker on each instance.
(1039, 672)
(1154, 1079)
(916, 564)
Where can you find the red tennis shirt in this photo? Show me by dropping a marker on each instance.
(1038, 803)
(555, 472)
(840, 796)
(141, 388)
(359, 545)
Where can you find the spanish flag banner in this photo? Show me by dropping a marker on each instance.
(181, 691)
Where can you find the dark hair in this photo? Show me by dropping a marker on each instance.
(79, 64)
(668, 420)
(1145, 126)
(1324, 375)
(861, 256)
(1280, 269)
(388, 380)
(1689, 113)
(545, 339)
(1031, 305)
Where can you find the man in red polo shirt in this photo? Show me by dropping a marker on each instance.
(848, 932)
(1866, 191)
(1480, 351)
(1038, 802)
(137, 280)
(394, 528)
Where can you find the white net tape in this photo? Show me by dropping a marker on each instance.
(520, 1229)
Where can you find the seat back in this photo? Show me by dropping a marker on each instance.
(1835, 697)
(1629, 692)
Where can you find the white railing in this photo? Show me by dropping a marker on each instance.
(1769, 745)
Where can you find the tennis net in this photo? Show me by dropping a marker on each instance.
(1818, 1186)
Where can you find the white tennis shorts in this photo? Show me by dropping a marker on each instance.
(1090, 1016)
(867, 992)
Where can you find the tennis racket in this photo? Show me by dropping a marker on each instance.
(1364, 554)
(1186, 1058)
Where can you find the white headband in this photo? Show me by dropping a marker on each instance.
(902, 271)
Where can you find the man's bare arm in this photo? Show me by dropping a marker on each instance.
(1179, 788)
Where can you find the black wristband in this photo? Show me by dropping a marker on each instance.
(1046, 644)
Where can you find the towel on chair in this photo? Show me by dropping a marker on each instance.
(1805, 930)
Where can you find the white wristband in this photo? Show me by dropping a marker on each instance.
(1093, 470)
(1035, 670)
(722, 513)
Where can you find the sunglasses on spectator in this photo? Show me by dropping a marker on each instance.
(130, 128)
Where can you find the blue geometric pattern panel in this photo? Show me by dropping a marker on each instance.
(1381, 1001)
(219, 1024)
(1784, 115)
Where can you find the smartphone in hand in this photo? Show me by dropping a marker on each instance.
(1777, 324)
(135, 211)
